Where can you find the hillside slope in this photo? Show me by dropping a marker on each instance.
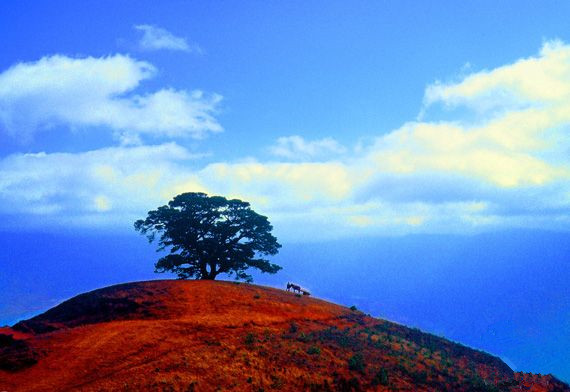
(208, 336)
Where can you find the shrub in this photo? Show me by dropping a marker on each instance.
(350, 385)
(293, 328)
(353, 308)
(381, 378)
(419, 377)
(277, 382)
(256, 296)
(340, 337)
(303, 338)
(356, 363)
(477, 384)
(314, 350)
(249, 339)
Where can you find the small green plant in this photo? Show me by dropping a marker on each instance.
(277, 382)
(314, 350)
(298, 295)
(303, 337)
(476, 383)
(381, 378)
(256, 296)
(249, 339)
(353, 308)
(293, 328)
(419, 377)
(356, 363)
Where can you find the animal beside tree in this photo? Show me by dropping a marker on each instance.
(296, 288)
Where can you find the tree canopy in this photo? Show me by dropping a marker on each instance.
(210, 235)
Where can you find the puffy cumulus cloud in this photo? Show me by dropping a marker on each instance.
(297, 148)
(486, 154)
(156, 38)
(98, 92)
(541, 79)
(521, 145)
(512, 162)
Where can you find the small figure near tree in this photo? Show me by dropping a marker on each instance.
(297, 288)
(210, 235)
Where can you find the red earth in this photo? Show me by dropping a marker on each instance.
(218, 336)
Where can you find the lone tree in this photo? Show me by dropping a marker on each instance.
(210, 235)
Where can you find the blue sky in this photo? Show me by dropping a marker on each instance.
(339, 121)
(371, 119)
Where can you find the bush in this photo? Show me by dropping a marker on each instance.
(303, 338)
(356, 363)
(249, 339)
(381, 378)
(314, 350)
(342, 338)
(419, 377)
(350, 385)
(477, 384)
(293, 328)
(353, 308)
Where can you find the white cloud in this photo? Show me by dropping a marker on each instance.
(544, 79)
(156, 38)
(507, 169)
(99, 92)
(484, 153)
(116, 183)
(297, 148)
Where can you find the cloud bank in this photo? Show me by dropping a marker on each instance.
(506, 168)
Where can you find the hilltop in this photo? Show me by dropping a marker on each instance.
(212, 335)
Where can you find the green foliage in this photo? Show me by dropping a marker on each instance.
(419, 377)
(353, 308)
(381, 378)
(477, 384)
(347, 385)
(303, 337)
(342, 338)
(276, 382)
(314, 350)
(356, 363)
(249, 339)
(210, 235)
(293, 328)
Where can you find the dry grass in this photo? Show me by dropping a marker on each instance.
(219, 336)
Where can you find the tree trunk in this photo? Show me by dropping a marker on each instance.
(209, 275)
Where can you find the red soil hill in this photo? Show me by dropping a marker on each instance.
(219, 336)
